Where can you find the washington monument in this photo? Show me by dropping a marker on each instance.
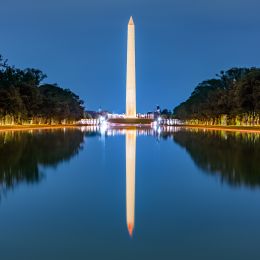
(130, 73)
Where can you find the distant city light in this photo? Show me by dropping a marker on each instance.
(103, 127)
(102, 119)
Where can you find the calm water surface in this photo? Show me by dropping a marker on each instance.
(129, 194)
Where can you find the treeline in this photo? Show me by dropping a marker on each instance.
(232, 98)
(24, 99)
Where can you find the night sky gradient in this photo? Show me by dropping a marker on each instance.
(81, 45)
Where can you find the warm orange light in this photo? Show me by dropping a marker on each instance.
(130, 229)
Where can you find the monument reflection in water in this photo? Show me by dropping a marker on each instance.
(130, 153)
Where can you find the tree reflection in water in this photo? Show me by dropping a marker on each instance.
(22, 152)
(234, 156)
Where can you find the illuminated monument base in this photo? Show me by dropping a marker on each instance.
(130, 121)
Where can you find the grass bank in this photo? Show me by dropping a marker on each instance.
(33, 127)
(245, 129)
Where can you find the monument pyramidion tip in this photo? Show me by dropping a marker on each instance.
(131, 21)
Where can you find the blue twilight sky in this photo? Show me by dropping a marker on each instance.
(81, 44)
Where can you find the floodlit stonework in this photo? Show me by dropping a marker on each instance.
(130, 75)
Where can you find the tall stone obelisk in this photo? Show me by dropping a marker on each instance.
(130, 73)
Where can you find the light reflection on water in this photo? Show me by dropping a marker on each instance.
(130, 146)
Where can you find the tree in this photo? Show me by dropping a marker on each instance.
(234, 94)
(59, 104)
(23, 98)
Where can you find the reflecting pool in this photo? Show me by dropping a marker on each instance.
(168, 193)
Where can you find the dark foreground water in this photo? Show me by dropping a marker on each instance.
(117, 194)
